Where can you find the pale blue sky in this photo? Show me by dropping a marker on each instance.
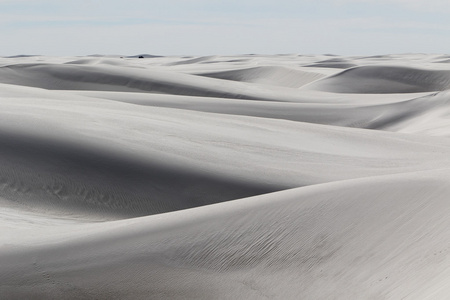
(204, 27)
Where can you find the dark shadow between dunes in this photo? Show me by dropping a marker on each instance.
(67, 178)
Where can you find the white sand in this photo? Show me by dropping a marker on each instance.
(225, 177)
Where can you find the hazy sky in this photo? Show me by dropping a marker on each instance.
(203, 27)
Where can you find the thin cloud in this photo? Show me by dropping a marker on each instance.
(417, 5)
(213, 27)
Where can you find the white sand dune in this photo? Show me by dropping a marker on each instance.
(195, 60)
(339, 63)
(382, 237)
(269, 75)
(385, 80)
(224, 177)
(107, 77)
(375, 112)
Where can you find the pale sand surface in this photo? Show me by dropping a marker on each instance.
(225, 177)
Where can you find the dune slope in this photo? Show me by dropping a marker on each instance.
(386, 80)
(281, 76)
(367, 238)
(108, 77)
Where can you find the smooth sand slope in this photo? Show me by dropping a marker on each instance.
(225, 177)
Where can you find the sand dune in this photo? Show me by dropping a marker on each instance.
(224, 177)
(367, 238)
(76, 178)
(376, 112)
(193, 60)
(107, 77)
(332, 65)
(338, 63)
(385, 80)
(269, 75)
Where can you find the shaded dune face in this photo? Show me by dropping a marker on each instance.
(281, 76)
(88, 77)
(110, 77)
(332, 65)
(65, 177)
(385, 80)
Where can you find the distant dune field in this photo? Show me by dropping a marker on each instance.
(225, 177)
